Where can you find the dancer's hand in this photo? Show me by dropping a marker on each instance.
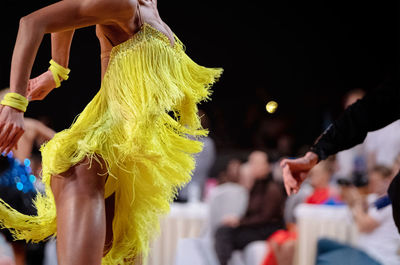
(11, 128)
(295, 171)
(39, 87)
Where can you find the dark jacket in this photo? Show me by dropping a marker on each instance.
(266, 203)
(376, 110)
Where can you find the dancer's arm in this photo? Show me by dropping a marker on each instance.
(60, 46)
(62, 16)
(41, 86)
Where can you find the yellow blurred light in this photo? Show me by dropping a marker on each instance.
(271, 106)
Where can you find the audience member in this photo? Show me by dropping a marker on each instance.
(320, 179)
(246, 178)
(378, 242)
(229, 176)
(231, 173)
(282, 242)
(264, 214)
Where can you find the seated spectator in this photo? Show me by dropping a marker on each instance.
(282, 242)
(228, 176)
(226, 196)
(231, 173)
(379, 241)
(320, 179)
(264, 214)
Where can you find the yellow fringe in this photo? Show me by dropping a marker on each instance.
(140, 123)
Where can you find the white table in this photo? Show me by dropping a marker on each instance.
(184, 221)
(316, 221)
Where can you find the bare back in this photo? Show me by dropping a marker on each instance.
(112, 34)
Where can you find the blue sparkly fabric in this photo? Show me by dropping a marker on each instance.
(18, 175)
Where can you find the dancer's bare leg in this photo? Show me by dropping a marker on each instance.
(110, 206)
(81, 219)
(19, 250)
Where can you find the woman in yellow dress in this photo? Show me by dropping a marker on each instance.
(114, 172)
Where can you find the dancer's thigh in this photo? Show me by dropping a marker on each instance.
(83, 178)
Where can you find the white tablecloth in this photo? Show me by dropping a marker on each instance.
(316, 221)
(184, 221)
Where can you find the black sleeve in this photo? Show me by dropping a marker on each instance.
(377, 109)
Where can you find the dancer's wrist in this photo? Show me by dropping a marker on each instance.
(15, 101)
(312, 158)
(59, 72)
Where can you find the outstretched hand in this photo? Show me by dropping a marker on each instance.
(11, 128)
(39, 87)
(295, 171)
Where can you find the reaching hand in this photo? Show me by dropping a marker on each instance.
(295, 171)
(11, 128)
(39, 87)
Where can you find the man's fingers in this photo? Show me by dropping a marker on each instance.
(285, 180)
(289, 180)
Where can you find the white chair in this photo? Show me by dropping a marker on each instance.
(253, 254)
(195, 251)
(226, 199)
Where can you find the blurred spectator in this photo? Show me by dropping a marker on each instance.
(282, 243)
(194, 190)
(231, 173)
(284, 147)
(264, 214)
(379, 242)
(293, 201)
(316, 189)
(246, 178)
(271, 128)
(320, 179)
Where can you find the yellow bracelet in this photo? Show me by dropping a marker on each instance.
(58, 71)
(16, 101)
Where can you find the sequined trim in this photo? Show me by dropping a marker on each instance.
(144, 33)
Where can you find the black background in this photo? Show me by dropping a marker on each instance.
(304, 55)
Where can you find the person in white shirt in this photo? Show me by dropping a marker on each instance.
(378, 242)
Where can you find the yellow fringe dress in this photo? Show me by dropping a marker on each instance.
(140, 122)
